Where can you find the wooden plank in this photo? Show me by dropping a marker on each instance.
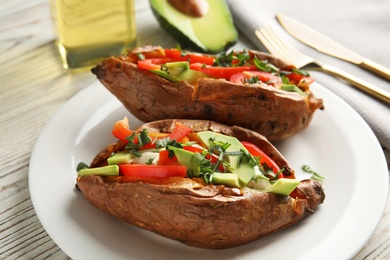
(31, 68)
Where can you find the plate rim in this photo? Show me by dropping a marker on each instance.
(33, 182)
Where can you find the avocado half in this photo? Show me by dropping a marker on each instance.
(212, 33)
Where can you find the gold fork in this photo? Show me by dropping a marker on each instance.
(285, 51)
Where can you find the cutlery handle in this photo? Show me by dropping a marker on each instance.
(358, 83)
(376, 68)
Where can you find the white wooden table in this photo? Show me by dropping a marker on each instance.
(33, 86)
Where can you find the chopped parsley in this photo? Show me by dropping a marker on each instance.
(252, 80)
(150, 161)
(301, 72)
(82, 165)
(232, 59)
(265, 65)
(171, 143)
(315, 175)
(143, 138)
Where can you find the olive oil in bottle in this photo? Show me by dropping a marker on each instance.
(91, 30)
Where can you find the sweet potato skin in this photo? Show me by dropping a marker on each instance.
(272, 112)
(213, 217)
(200, 215)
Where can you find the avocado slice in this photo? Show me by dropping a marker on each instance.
(189, 160)
(104, 170)
(172, 69)
(227, 179)
(212, 33)
(192, 76)
(166, 75)
(244, 170)
(176, 67)
(283, 186)
(120, 157)
(180, 70)
(184, 157)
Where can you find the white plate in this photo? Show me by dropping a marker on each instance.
(338, 144)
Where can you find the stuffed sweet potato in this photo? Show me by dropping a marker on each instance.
(196, 207)
(250, 89)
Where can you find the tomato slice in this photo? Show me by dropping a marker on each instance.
(264, 158)
(220, 72)
(266, 77)
(139, 170)
(177, 55)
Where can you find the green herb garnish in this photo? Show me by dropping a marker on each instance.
(150, 161)
(315, 175)
(218, 145)
(82, 165)
(242, 57)
(224, 60)
(143, 138)
(301, 72)
(252, 80)
(264, 65)
(134, 147)
(232, 59)
(172, 143)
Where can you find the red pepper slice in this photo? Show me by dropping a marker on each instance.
(179, 132)
(178, 55)
(165, 160)
(264, 158)
(139, 170)
(220, 72)
(121, 130)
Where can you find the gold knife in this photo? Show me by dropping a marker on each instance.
(323, 44)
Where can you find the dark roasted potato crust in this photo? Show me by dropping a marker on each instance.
(272, 112)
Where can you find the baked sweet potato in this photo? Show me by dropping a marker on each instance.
(261, 107)
(193, 212)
